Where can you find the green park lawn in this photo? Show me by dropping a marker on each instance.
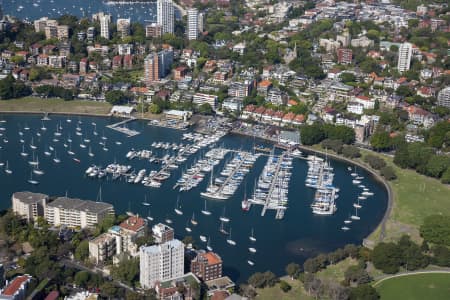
(296, 293)
(415, 197)
(336, 272)
(54, 105)
(419, 286)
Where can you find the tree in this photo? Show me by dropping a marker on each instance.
(311, 134)
(205, 109)
(441, 256)
(126, 271)
(381, 141)
(364, 292)
(446, 176)
(388, 173)
(436, 165)
(335, 145)
(116, 97)
(82, 251)
(387, 257)
(356, 275)
(155, 108)
(375, 162)
(404, 91)
(293, 270)
(436, 229)
(82, 278)
(351, 152)
(284, 286)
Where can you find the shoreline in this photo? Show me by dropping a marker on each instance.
(365, 242)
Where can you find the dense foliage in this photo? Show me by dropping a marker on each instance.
(436, 229)
(11, 88)
(316, 133)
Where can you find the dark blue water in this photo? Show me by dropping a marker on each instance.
(298, 236)
(35, 9)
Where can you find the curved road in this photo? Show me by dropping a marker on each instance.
(386, 277)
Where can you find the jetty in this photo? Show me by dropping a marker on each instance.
(121, 127)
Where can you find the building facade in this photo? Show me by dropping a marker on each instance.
(165, 15)
(123, 27)
(404, 57)
(104, 20)
(161, 262)
(71, 212)
(444, 97)
(151, 68)
(29, 205)
(192, 24)
(207, 266)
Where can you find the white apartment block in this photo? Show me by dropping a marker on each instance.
(76, 213)
(104, 25)
(165, 15)
(404, 57)
(444, 97)
(161, 262)
(192, 24)
(123, 27)
(29, 205)
(200, 99)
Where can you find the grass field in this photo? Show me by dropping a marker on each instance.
(296, 293)
(418, 286)
(54, 105)
(415, 197)
(336, 272)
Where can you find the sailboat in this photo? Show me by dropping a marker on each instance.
(32, 146)
(32, 162)
(51, 148)
(23, 153)
(230, 241)
(104, 137)
(208, 245)
(245, 204)
(348, 221)
(193, 220)
(145, 203)
(70, 152)
(203, 238)
(31, 180)
(345, 228)
(90, 152)
(149, 216)
(355, 216)
(95, 129)
(223, 218)
(69, 139)
(187, 228)
(26, 127)
(104, 147)
(251, 263)
(82, 145)
(99, 195)
(205, 211)
(43, 128)
(178, 207)
(252, 237)
(222, 229)
(57, 133)
(357, 205)
(36, 170)
(252, 250)
(56, 159)
(7, 169)
(47, 153)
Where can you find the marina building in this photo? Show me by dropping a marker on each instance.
(192, 24)
(162, 233)
(29, 205)
(207, 266)
(161, 262)
(165, 15)
(76, 212)
(444, 97)
(404, 57)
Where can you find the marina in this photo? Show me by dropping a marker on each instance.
(299, 228)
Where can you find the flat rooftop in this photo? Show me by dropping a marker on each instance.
(29, 197)
(81, 205)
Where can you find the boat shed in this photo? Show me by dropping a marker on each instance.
(122, 110)
(178, 114)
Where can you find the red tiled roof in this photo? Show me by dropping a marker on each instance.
(250, 108)
(260, 110)
(265, 83)
(269, 112)
(299, 118)
(133, 223)
(292, 102)
(52, 296)
(289, 116)
(212, 258)
(279, 114)
(15, 285)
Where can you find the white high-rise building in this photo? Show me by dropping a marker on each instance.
(404, 57)
(104, 25)
(192, 24)
(444, 97)
(161, 262)
(165, 16)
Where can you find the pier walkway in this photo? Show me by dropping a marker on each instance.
(119, 126)
(268, 204)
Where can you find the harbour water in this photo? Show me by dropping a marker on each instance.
(299, 235)
(140, 11)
